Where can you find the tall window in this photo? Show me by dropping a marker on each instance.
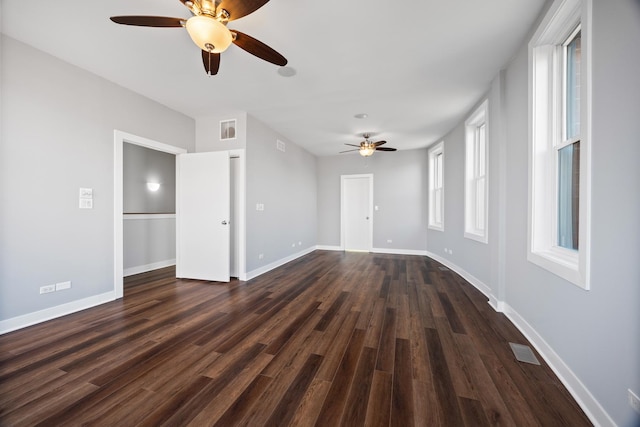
(559, 156)
(568, 147)
(476, 200)
(436, 187)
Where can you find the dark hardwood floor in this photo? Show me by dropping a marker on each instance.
(329, 339)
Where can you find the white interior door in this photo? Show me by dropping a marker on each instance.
(202, 228)
(357, 221)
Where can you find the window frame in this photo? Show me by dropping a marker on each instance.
(436, 176)
(546, 137)
(474, 161)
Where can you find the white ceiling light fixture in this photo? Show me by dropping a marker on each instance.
(153, 186)
(209, 34)
(367, 149)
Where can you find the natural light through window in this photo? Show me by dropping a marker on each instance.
(476, 205)
(436, 187)
(559, 172)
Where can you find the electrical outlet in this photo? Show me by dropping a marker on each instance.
(47, 288)
(260, 256)
(389, 241)
(634, 401)
(293, 245)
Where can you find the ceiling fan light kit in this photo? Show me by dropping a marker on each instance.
(209, 34)
(208, 29)
(367, 147)
(367, 150)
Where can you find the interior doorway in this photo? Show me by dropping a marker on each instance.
(239, 218)
(356, 208)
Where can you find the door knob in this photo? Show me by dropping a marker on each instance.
(224, 222)
(367, 218)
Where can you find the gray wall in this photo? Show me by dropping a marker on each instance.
(141, 165)
(57, 136)
(147, 242)
(399, 190)
(148, 239)
(208, 131)
(597, 332)
(285, 182)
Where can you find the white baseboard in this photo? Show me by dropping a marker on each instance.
(328, 248)
(398, 251)
(591, 407)
(477, 283)
(377, 250)
(266, 268)
(29, 319)
(148, 267)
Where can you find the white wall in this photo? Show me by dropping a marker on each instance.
(591, 337)
(399, 190)
(58, 126)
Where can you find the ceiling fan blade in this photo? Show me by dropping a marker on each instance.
(148, 21)
(211, 62)
(346, 151)
(385, 149)
(379, 143)
(239, 8)
(259, 49)
(352, 145)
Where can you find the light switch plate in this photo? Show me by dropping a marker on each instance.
(86, 193)
(86, 203)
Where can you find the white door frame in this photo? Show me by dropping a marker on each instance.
(119, 138)
(343, 179)
(241, 215)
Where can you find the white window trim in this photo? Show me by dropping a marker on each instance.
(434, 151)
(545, 128)
(478, 118)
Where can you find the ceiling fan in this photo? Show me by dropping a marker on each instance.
(208, 29)
(367, 147)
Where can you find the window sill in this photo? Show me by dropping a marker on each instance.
(482, 238)
(562, 263)
(436, 227)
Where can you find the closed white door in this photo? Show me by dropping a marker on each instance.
(356, 207)
(202, 227)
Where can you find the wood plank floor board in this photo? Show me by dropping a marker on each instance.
(387, 344)
(334, 345)
(244, 402)
(331, 338)
(402, 411)
(444, 388)
(334, 404)
(286, 408)
(358, 398)
(311, 403)
(379, 405)
(494, 407)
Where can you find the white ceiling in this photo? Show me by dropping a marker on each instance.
(415, 67)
